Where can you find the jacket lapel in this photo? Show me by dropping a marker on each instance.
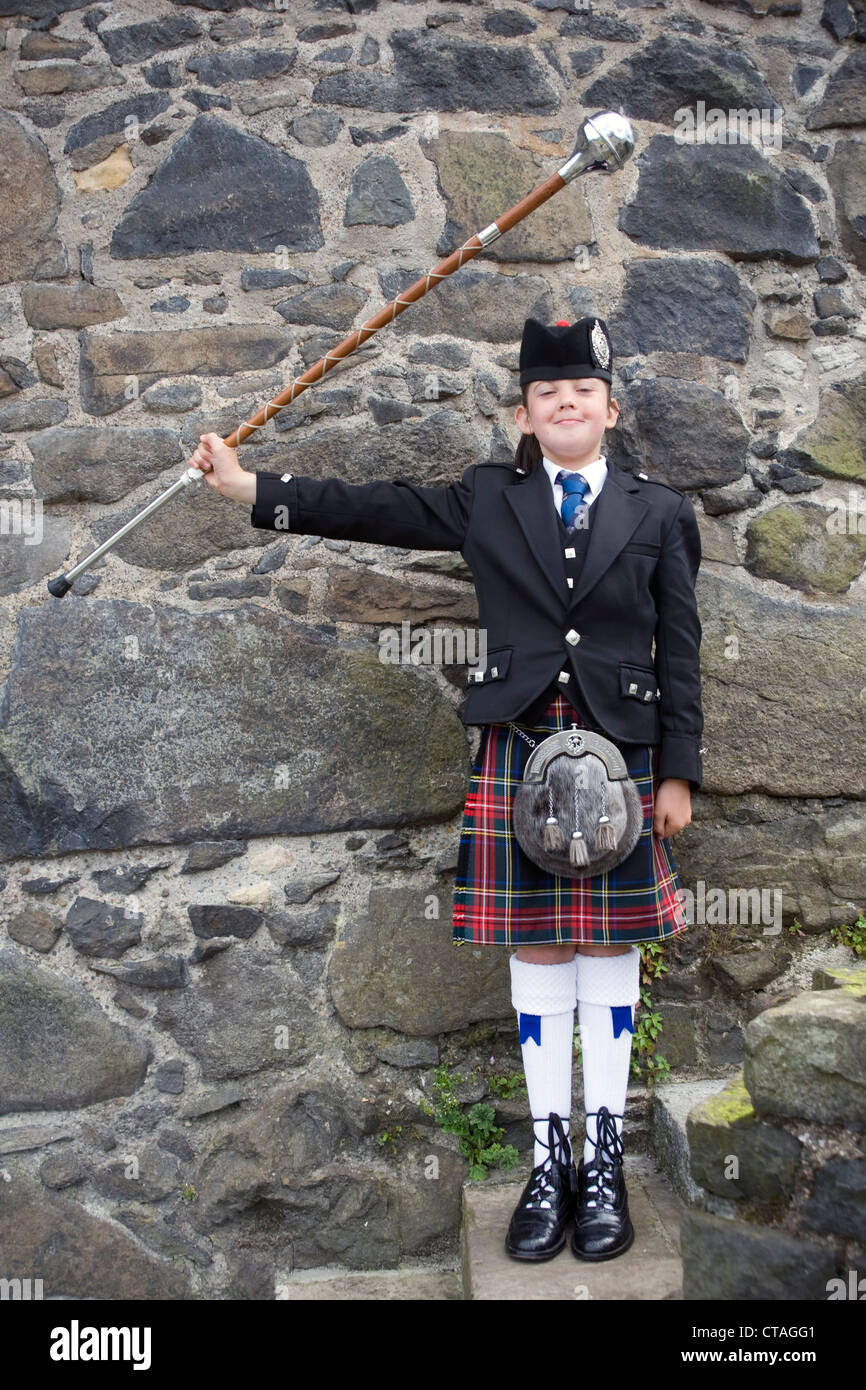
(619, 511)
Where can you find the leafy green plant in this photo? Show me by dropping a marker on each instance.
(648, 1027)
(648, 1021)
(188, 1192)
(476, 1128)
(854, 936)
(390, 1137)
(652, 960)
(507, 1085)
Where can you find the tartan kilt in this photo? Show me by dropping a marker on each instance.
(502, 898)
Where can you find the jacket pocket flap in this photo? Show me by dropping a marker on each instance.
(639, 682)
(495, 667)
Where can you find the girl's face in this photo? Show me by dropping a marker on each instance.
(568, 418)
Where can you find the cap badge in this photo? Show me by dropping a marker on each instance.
(600, 348)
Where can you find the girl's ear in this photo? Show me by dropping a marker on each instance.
(521, 418)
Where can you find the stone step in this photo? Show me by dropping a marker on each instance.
(336, 1285)
(659, 1189)
(650, 1269)
(668, 1143)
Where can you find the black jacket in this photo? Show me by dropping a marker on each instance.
(637, 582)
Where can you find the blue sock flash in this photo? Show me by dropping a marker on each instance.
(621, 1016)
(530, 1027)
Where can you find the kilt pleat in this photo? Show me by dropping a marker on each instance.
(502, 898)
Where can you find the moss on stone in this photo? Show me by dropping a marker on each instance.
(730, 1106)
(836, 439)
(851, 978)
(791, 544)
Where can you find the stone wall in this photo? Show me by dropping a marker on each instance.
(777, 1157)
(228, 831)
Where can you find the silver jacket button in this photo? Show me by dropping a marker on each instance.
(632, 690)
(286, 477)
(572, 637)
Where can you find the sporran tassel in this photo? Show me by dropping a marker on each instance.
(553, 838)
(578, 854)
(605, 835)
(577, 851)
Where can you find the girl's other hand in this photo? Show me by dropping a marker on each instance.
(673, 807)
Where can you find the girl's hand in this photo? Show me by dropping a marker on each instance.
(673, 807)
(221, 469)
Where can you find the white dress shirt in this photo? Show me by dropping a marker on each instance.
(594, 473)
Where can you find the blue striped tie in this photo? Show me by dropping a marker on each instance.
(574, 487)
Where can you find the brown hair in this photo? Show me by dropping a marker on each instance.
(528, 452)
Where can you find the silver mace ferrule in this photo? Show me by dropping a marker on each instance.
(604, 143)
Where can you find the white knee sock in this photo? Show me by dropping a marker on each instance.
(608, 987)
(544, 997)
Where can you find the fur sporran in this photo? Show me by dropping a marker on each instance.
(577, 812)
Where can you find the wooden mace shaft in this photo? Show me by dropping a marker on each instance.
(390, 311)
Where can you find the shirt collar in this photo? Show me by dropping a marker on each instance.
(594, 473)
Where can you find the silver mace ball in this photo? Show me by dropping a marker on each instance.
(604, 142)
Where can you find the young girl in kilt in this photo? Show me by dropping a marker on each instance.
(578, 567)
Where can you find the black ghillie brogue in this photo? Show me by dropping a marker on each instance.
(547, 1204)
(602, 1226)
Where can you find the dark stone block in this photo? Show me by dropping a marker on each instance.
(244, 65)
(738, 203)
(730, 1260)
(436, 73)
(680, 304)
(838, 1201)
(221, 190)
(670, 73)
(136, 42)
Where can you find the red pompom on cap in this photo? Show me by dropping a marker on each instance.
(562, 323)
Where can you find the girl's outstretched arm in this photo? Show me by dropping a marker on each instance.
(396, 512)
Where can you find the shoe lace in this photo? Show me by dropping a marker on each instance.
(543, 1186)
(600, 1175)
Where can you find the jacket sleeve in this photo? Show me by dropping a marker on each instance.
(397, 513)
(678, 644)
